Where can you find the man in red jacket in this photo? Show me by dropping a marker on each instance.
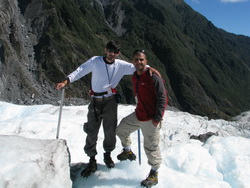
(151, 101)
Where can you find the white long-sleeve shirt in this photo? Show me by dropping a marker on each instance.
(104, 76)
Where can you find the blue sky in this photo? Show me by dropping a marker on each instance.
(230, 15)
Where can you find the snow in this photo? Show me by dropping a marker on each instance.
(31, 156)
(33, 163)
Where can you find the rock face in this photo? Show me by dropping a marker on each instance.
(23, 78)
(19, 79)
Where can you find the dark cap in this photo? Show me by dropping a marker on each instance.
(113, 45)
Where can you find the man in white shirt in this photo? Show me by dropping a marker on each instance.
(107, 71)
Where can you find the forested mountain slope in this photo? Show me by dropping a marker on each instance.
(205, 68)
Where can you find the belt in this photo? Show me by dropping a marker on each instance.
(100, 94)
(103, 98)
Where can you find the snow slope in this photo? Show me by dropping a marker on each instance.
(30, 155)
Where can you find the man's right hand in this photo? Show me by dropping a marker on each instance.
(62, 84)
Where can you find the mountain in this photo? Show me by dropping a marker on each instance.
(206, 69)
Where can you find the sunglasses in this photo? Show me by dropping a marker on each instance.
(113, 51)
(139, 51)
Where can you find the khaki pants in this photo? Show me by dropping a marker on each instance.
(150, 133)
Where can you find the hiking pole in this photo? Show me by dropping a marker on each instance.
(139, 146)
(60, 114)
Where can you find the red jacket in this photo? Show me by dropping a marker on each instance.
(151, 96)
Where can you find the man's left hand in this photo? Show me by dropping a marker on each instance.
(155, 123)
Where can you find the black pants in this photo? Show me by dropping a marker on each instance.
(104, 112)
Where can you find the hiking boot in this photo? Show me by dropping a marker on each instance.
(90, 168)
(108, 160)
(126, 155)
(151, 180)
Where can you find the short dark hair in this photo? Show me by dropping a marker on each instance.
(113, 45)
(139, 51)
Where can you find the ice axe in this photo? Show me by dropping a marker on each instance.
(60, 114)
(139, 146)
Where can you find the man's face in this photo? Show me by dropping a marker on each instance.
(140, 61)
(111, 54)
